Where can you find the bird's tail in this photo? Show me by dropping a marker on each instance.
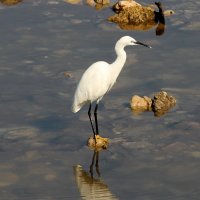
(75, 108)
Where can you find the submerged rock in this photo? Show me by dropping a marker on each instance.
(67, 75)
(175, 147)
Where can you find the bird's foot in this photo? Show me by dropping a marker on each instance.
(98, 143)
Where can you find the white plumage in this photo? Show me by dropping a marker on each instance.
(95, 82)
(99, 78)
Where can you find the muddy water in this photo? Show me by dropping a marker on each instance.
(42, 144)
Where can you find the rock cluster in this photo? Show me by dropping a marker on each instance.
(131, 15)
(160, 103)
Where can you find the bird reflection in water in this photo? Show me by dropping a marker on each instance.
(160, 19)
(95, 159)
(90, 187)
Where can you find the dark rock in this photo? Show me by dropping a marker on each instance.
(162, 102)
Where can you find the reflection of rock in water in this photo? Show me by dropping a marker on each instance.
(91, 188)
(10, 2)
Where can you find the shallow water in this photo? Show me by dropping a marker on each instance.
(43, 148)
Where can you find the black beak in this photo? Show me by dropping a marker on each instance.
(140, 43)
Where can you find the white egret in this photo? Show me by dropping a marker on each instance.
(99, 78)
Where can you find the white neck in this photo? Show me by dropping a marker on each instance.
(117, 65)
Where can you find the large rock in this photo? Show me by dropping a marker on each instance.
(139, 104)
(162, 102)
(132, 15)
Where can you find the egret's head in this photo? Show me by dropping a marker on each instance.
(127, 40)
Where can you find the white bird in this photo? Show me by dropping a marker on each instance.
(99, 78)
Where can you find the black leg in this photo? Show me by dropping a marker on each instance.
(97, 164)
(96, 121)
(92, 164)
(95, 159)
(89, 114)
